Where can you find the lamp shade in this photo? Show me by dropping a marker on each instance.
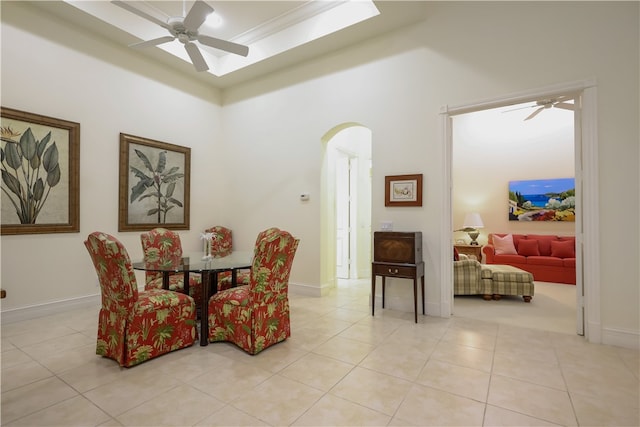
(473, 220)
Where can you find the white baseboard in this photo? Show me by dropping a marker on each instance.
(621, 338)
(55, 307)
(308, 290)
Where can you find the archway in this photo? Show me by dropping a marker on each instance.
(345, 242)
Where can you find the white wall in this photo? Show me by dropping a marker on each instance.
(270, 148)
(396, 86)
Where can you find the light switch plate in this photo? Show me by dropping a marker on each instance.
(386, 225)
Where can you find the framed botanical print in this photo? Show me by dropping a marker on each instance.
(40, 164)
(154, 184)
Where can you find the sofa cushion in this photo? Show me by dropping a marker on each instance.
(544, 260)
(544, 242)
(510, 259)
(563, 249)
(528, 248)
(504, 245)
(517, 238)
(569, 262)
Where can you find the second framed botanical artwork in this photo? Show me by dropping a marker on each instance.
(403, 190)
(154, 184)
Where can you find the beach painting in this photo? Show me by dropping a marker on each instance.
(542, 200)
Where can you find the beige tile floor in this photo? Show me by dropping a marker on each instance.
(341, 367)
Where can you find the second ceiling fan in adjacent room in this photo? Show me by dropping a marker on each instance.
(563, 102)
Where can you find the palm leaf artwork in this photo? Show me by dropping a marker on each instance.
(158, 183)
(30, 169)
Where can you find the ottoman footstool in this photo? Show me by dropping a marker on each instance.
(507, 280)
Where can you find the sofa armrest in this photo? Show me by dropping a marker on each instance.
(489, 253)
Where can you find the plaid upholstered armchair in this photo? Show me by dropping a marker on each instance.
(466, 278)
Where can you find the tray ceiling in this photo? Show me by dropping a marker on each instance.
(279, 33)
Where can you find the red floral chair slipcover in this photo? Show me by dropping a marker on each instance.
(158, 244)
(222, 245)
(136, 326)
(256, 316)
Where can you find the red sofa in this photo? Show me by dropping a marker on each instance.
(549, 258)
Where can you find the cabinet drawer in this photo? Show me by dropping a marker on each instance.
(394, 271)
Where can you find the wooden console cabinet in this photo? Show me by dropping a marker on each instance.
(398, 255)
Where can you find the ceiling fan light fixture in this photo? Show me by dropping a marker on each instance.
(214, 20)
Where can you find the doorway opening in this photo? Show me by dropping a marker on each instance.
(587, 205)
(346, 205)
(491, 148)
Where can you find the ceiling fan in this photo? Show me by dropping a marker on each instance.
(543, 104)
(185, 29)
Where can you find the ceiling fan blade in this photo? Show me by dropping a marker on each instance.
(535, 113)
(225, 45)
(565, 106)
(196, 57)
(519, 108)
(197, 15)
(153, 42)
(141, 14)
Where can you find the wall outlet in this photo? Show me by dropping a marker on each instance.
(386, 225)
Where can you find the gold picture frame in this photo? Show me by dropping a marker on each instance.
(40, 174)
(154, 184)
(403, 190)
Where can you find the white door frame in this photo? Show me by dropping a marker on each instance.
(343, 216)
(587, 208)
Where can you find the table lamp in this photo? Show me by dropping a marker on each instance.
(472, 221)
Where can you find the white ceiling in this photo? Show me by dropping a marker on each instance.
(279, 33)
(505, 125)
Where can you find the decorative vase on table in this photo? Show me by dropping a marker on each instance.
(207, 238)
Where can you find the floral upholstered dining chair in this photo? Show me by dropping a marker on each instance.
(134, 326)
(256, 316)
(221, 246)
(158, 244)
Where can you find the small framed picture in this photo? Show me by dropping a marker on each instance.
(403, 190)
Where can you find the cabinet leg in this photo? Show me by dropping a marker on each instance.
(373, 294)
(383, 290)
(423, 297)
(415, 299)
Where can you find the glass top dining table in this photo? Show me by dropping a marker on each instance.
(208, 267)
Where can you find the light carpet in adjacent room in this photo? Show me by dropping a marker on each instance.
(552, 308)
